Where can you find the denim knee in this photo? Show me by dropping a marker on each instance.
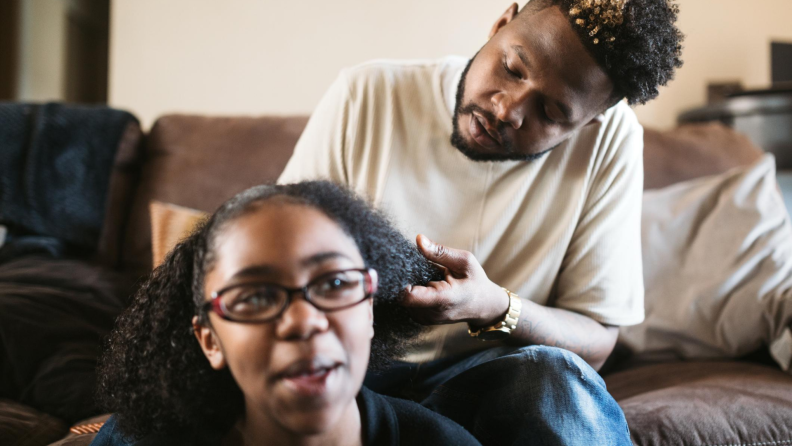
(558, 364)
(569, 389)
(533, 395)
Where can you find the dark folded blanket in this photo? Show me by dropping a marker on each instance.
(55, 167)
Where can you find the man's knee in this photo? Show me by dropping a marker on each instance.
(557, 363)
(565, 383)
(537, 386)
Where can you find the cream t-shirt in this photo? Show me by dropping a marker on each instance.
(562, 231)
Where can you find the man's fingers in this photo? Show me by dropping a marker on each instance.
(427, 304)
(446, 272)
(456, 261)
(420, 297)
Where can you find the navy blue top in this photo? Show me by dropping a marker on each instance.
(384, 420)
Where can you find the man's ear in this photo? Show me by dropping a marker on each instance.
(507, 17)
(209, 344)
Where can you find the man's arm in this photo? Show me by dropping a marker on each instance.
(467, 295)
(600, 281)
(565, 329)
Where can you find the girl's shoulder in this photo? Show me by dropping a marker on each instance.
(389, 420)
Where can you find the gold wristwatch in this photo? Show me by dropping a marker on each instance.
(502, 329)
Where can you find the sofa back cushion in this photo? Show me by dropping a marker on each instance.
(199, 162)
(693, 151)
(123, 181)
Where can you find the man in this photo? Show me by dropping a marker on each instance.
(521, 169)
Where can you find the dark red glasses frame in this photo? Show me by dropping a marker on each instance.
(216, 304)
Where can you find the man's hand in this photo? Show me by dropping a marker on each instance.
(465, 295)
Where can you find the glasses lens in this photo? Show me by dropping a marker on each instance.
(338, 289)
(253, 302)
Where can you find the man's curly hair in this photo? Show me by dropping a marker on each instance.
(154, 375)
(646, 50)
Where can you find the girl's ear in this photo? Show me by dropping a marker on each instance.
(371, 318)
(210, 344)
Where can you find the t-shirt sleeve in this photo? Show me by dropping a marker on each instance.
(321, 150)
(601, 275)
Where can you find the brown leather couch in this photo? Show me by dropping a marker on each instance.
(199, 161)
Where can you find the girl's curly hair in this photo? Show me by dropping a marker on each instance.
(153, 374)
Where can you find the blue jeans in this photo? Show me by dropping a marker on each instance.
(533, 395)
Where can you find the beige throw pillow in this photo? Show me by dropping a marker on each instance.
(169, 225)
(717, 256)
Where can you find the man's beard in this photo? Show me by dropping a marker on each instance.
(458, 141)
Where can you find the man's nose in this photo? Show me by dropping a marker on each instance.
(301, 320)
(511, 107)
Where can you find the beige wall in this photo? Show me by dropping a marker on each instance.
(42, 51)
(266, 56)
(727, 40)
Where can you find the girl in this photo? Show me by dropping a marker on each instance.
(260, 326)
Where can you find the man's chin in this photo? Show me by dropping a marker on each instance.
(478, 155)
(475, 153)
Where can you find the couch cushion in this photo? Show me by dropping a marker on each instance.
(83, 432)
(53, 317)
(199, 162)
(693, 151)
(705, 403)
(123, 180)
(21, 425)
(76, 440)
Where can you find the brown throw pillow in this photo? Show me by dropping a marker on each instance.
(169, 225)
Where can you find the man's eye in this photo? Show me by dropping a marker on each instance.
(511, 72)
(547, 117)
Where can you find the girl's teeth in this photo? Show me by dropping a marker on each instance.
(314, 373)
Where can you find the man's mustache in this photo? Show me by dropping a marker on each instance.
(507, 144)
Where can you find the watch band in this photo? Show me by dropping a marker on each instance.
(502, 329)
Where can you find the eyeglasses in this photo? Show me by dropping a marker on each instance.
(264, 302)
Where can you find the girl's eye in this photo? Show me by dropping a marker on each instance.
(337, 283)
(249, 299)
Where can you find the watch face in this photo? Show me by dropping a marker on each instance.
(493, 335)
